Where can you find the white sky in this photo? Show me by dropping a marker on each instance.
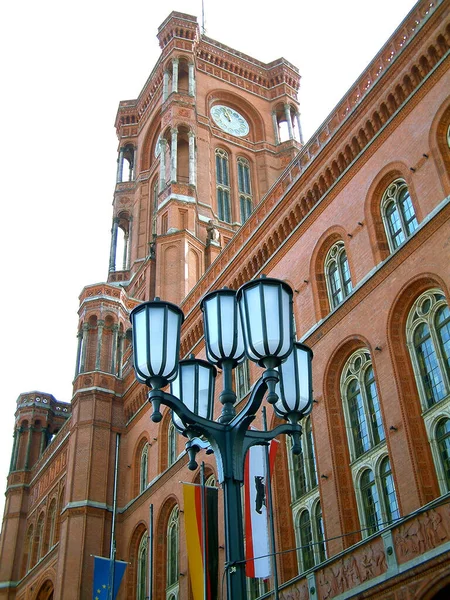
(65, 68)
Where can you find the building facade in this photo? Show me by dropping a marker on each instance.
(215, 186)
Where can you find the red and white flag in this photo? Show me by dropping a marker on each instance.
(256, 510)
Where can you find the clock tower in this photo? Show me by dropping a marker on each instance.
(209, 134)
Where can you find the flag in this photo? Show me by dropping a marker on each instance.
(102, 571)
(193, 523)
(257, 541)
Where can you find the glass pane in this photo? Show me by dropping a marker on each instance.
(443, 442)
(407, 209)
(306, 550)
(241, 177)
(390, 498)
(219, 178)
(335, 285)
(247, 188)
(220, 210)
(395, 225)
(225, 180)
(311, 461)
(357, 418)
(346, 279)
(429, 369)
(443, 332)
(226, 206)
(374, 407)
(298, 463)
(320, 533)
(371, 502)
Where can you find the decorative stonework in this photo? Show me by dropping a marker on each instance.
(364, 564)
(47, 479)
(426, 532)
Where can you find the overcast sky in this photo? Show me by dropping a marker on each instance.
(65, 68)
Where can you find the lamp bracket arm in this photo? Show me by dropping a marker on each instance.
(253, 403)
(201, 425)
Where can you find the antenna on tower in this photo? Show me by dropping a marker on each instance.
(203, 18)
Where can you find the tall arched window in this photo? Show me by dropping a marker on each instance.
(143, 471)
(304, 474)
(51, 525)
(172, 551)
(361, 405)
(398, 213)
(337, 274)
(142, 568)
(377, 496)
(245, 190)
(443, 448)
(428, 338)
(171, 444)
(306, 549)
(223, 186)
(319, 533)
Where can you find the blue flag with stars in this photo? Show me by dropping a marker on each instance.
(102, 577)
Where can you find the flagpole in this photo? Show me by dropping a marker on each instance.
(202, 491)
(270, 509)
(150, 555)
(112, 553)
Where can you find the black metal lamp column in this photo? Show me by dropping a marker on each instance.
(257, 321)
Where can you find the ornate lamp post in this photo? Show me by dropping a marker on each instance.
(256, 321)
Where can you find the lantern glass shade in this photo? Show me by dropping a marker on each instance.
(222, 327)
(294, 389)
(267, 319)
(194, 386)
(156, 341)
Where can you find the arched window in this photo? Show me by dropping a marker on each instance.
(242, 375)
(51, 525)
(377, 497)
(304, 474)
(143, 471)
(306, 553)
(142, 568)
(337, 274)
(443, 448)
(172, 551)
(171, 444)
(398, 213)
(319, 534)
(428, 338)
(361, 405)
(245, 190)
(223, 186)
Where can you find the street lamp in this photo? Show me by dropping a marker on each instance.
(256, 321)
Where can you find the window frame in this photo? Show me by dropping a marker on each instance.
(334, 257)
(172, 587)
(143, 468)
(141, 571)
(244, 189)
(351, 372)
(223, 186)
(392, 197)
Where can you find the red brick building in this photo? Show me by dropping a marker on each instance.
(215, 186)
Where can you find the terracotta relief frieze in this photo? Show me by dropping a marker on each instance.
(426, 532)
(46, 480)
(347, 572)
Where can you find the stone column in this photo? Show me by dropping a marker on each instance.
(77, 363)
(12, 464)
(43, 440)
(119, 167)
(112, 253)
(98, 355)
(114, 348)
(130, 236)
(133, 174)
(299, 127)
(29, 440)
(287, 114)
(162, 164)
(192, 179)
(275, 127)
(174, 75)
(191, 79)
(173, 156)
(165, 93)
(84, 347)
(125, 251)
(120, 354)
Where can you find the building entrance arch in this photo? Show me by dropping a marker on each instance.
(46, 591)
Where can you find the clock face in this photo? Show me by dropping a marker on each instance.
(229, 120)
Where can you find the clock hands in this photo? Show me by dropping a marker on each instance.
(227, 114)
